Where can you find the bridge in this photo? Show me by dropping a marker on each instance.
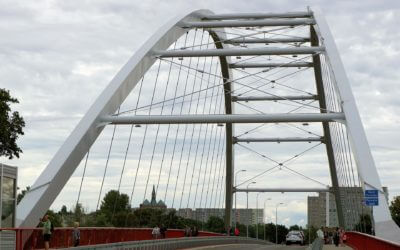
(203, 87)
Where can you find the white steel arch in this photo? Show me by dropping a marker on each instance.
(64, 163)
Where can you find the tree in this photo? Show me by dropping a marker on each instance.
(22, 194)
(215, 224)
(364, 224)
(113, 203)
(395, 209)
(11, 124)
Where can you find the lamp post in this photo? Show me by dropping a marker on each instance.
(257, 215)
(276, 222)
(265, 218)
(242, 170)
(248, 222)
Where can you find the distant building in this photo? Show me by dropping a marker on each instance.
(243, 216)
(153, 203)
(352, 199)
(8, 192)
(249, 216)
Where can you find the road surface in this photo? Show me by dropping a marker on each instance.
(251, 247)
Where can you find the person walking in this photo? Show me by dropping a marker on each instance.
(156, 232)
(336, 237)
(320, 233)
(163, 230)
(76, 234)
(47, 230)
(237, 233)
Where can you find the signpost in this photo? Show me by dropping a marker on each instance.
(371, 197)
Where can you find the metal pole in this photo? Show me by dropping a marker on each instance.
(264, 218)
(222, 118)
(242, 170)
(238, 52)
(248, 222)
(247, 211)
(276, 222)
(257, 215)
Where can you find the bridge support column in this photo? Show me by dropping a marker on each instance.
(229, 178)
(327, 134)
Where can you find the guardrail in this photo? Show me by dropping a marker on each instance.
(170, 244)
(31, 238)
(361, 241)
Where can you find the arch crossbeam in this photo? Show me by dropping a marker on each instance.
(247, 35)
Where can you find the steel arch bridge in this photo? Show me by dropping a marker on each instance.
(242, 58)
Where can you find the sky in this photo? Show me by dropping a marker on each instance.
(58, 56)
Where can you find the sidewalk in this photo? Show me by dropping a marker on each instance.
(333, 247)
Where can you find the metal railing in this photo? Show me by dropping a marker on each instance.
(361, 241)
(32, 238)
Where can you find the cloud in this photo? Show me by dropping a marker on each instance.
(58, 56)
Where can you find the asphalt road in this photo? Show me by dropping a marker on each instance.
(251, 247)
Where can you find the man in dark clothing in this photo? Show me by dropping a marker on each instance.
(163, 230)
(336, 237)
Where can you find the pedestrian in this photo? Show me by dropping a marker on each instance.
(195, 231)
(326, 236)
(237, 231)
(320, 233)
(156, 232)
(76, 234)
(230, 231)
(188, 232)
(47, 230)
(341, 236)
(336, 237)
(163, 230)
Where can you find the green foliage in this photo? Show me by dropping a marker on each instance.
(11, 124)
(310, 234)
(395, 209)
(22, 194)
(114, 202)
(215, 224)
(364, 224)
(294, 228)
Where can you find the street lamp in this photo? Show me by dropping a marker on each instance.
(248, 222)
(242, 170)
(257, 215)
(276, 222)
(265, 202)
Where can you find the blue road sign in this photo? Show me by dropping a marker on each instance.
(371, 202)
(371, 197)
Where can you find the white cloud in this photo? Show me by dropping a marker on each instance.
(57, 57)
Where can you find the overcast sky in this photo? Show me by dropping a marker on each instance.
(57, 56)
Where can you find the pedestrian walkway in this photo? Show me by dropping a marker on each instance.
(333, 247)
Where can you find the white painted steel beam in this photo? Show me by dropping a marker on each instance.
(250, 118)
(273, 98)
(271, 65)
(245, 40)
(238, 52)
(251, 23)
(298, 14)
(277, 139)
(280, 190)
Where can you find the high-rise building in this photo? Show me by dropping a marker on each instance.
(243, 215)
(352, 199)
